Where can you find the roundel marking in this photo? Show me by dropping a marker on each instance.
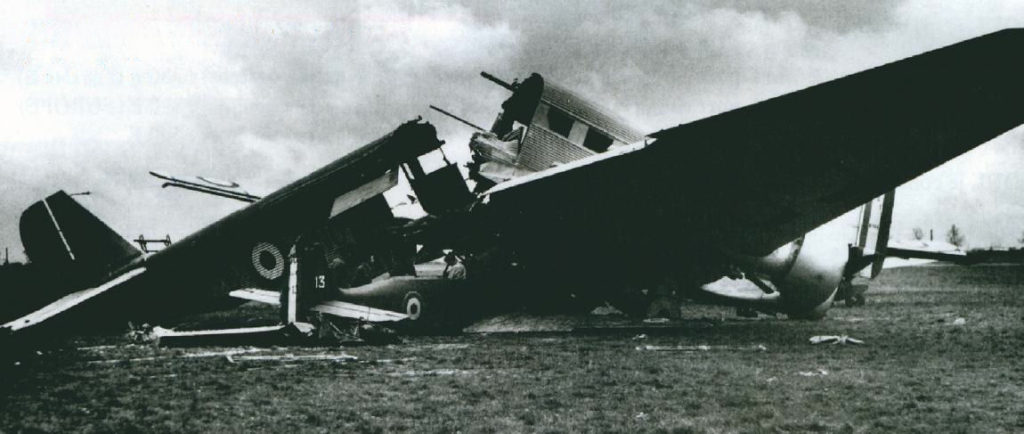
(413, 306)
(267, 260)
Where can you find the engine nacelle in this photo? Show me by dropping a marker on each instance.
(806, 272)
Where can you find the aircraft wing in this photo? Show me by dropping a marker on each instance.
(934, 255)
(358, 311)
(754, 178)
(258, 295)
(331, 307)
(70, 302)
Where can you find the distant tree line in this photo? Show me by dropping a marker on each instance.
(955, 236)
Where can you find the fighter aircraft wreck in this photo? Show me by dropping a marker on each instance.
(564, 206)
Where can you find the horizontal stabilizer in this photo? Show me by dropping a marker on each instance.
(257, 295)
(68, 302)
(356, 311)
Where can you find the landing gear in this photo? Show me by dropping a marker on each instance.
(852, 294)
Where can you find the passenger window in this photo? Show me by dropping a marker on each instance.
(559, 122)
(596, 141)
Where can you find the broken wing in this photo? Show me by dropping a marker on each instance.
(752, 179)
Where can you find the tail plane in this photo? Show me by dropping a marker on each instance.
(59, 234)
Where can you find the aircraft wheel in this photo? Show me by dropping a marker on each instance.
(414, 305)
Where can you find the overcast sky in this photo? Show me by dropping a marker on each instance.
(94, 96)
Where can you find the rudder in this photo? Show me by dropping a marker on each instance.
(59, 234)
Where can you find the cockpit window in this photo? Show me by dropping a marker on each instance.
(559, 122)
(596, 141)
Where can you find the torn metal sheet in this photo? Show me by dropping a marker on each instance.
(835, 340)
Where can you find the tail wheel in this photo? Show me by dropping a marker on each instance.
(413, 305)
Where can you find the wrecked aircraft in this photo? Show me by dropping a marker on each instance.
(566, 206)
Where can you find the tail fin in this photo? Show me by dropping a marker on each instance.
(59, 234)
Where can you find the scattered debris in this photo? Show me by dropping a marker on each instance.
(695, 348)
(205, 354)
(431, 372)
(673, 348)
(341, 357)
(142, 334)
(389, 361)
(641, 416)
(375, 334)
(100, 348)
(437, 347)
(534, 323)
(835, 340)
(818, 373)
(161, 376)
(607, 309)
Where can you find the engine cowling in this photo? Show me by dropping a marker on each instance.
(806, 273)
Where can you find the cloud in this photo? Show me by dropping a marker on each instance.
(666, 63)
(94, 96)
(98, 96)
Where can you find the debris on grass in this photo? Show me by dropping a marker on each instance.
(696, 348)
(199, 355)
(431, 373)
(959, 321)
(606, 309)
(339, 357)
(375, 334)
(441, 347)
(835, 340)
(816, 373)
(673, 348)
(389, 361)
(101, 348)
(142, 334)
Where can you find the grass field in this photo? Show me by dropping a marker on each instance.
(920, 370)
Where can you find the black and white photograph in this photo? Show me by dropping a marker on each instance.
(698, 216)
